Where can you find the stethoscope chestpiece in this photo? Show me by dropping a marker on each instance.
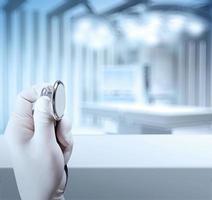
(58, 101)
(57, 97)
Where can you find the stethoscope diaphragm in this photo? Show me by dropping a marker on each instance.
(56, 93)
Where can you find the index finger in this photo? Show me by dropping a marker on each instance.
(26, 98)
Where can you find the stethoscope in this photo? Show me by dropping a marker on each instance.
(56, 93)
(57, 96)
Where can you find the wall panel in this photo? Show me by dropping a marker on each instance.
(194, 72)
(1, 69)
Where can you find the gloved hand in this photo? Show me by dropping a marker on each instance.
(38, 159)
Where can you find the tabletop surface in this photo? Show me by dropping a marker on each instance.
(135, 151)
(150, 109)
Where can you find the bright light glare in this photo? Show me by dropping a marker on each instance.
(133, 30)
(85, 25)
(156, 27)
(154, 21)
(142, 32)
(151, 39)
(93, 33)
(196, 28)
(82, 28)
(176, 23)
(101, 37)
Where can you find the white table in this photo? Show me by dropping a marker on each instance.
(115, 167)
(136, 118)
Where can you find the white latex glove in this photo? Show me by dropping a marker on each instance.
(38, 160)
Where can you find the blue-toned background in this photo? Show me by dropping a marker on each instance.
(115, 51)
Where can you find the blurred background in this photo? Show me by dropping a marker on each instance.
(129, 66)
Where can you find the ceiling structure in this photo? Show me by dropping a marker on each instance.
(182, 2)
(109, 7)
